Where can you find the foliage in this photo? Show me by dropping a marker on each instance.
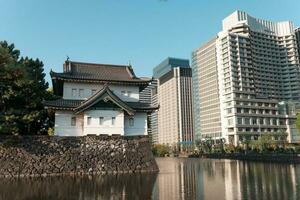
(229, 148)
(298, 122)
(22, 90)
(160, 150)
(264, 143)
(50, 131)
(297, 149)
(205, 146)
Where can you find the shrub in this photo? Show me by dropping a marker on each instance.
(50, 131)
(229, 148)
(160, 150)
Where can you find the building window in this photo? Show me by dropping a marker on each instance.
(261, 121)
(230, 121)
(81, 92)
(101, 120)
(247, 120)
(131, 121)
(113, 121)
(229, 110)
(239, 120)
(89, 119)
(93, 91)
(74, 91)
(73, 121)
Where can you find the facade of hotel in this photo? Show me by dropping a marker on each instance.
(98, 99)
(246, 81)
(174, 96)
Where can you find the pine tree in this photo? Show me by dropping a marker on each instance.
(22, 90)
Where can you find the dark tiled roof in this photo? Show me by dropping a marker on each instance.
(63, 103)
(98, 72)
(141, 106)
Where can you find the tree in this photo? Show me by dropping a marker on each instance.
(160, 150)
(263, 143)
(298, 122)
(22, 90)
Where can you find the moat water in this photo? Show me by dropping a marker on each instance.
(179, 178)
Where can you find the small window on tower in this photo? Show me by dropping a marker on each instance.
(73, 121)
(89, 119)
(74, 92)
(131, 121)
(101, 120)
(81, 92)
(113, 121)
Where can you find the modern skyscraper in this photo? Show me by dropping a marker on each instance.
(252, 69)
(205, 91)
(174, 95)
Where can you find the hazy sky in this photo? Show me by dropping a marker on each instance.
(143, 32)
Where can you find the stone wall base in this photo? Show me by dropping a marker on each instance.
(22, 156)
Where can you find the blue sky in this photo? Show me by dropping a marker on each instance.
(143, 32)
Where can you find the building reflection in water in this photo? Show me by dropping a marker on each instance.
(179, 178)
(225, 179)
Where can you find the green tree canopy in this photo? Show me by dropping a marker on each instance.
(22, 90)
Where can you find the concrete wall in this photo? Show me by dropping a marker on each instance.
(139, 124)
(88, 87)
(46, 155)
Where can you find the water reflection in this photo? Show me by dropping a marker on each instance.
(178, 179)
(226, 179)
(79, 188)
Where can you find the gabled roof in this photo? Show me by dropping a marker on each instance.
(104, 94)
(91, 72)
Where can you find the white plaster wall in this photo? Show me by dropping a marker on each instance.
(63, 124)
(140, 124)
(87, 87)
(107, 127)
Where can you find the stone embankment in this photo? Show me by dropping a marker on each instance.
(49, 155)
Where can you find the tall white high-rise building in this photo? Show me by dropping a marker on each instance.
(246, 81)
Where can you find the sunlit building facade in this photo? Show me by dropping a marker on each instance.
(174, 96)
(252, 69)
